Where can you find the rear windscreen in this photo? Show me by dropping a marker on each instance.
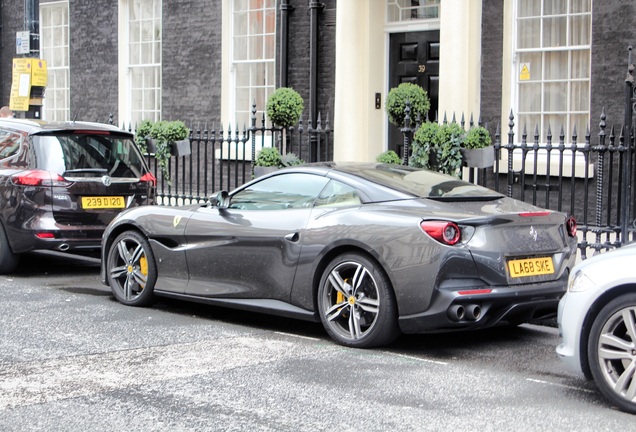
(87, 155)
(426, 184)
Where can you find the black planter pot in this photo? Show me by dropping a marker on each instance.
(181, 148)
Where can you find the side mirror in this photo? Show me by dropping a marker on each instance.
(221, 200)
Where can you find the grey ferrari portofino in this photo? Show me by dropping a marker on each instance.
(370, 250)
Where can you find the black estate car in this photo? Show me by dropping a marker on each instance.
(62, 183)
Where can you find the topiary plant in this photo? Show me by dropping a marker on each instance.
(477, 137)
(389, 157)
(284, 107)
(396, 103)
(268, 157)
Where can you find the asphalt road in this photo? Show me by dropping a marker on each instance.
(73, 359)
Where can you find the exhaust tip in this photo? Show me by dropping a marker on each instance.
(63, 247)
(473, 312)
(456, 312)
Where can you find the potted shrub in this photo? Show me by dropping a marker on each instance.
(177, 134)
(438, 147)
(142, 137)
(267, 160)
(389, 157)
(477, 149)
(284, 108)
(169, 137)
(396, 103)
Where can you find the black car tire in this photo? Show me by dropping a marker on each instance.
(131, 269)
(362, 314)
(8, 259)
(615, 328)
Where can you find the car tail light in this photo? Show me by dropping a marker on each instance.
(39, 178)
(570, 224)
(45, 235)
(149, 178)
(442, 231)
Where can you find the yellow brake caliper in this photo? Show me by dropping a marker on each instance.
(340, 298)
(143, 266)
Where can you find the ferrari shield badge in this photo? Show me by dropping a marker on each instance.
(176, 221)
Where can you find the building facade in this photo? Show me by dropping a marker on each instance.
(553, 63)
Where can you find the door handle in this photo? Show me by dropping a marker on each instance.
(293, 237)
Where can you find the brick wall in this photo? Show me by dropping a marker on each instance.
(613, 31)
(93, 59)
(191, 80)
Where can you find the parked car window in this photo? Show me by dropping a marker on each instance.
(338, 194)
(87, 155)
(280, 192)
(9, 144)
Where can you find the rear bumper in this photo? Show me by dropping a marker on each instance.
(503, 305)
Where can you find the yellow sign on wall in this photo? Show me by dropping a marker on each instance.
(27, 72)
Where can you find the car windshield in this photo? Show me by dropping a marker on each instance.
(426, 184)
(89, 155)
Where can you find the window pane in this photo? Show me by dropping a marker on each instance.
(554, 32)
(580, 64)
(556, 65)
(529, 122)
(529, 33)
(555, 96)
(581, 121)
(529, 8)
(554, 123)
(530, 98)
(580, 96)
(554, 7)
(580, 30)
(578, 6)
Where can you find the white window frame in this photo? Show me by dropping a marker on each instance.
(240, 61)
(578, 168)
(129, 111)
(55, 50)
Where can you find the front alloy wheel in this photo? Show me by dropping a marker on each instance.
(131, 269)
(612, 352)
(356, 303)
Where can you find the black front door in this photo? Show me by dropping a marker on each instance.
(414, 58)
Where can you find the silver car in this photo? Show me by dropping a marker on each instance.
(597, 323)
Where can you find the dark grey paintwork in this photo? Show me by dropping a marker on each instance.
(272, 260)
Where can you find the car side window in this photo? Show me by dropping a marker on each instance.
(9, 144)
(284, 191)
(338, 194)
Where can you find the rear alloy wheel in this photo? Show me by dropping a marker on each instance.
(356, 303)
(8, 259)
(131, 268)
(612, 352)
